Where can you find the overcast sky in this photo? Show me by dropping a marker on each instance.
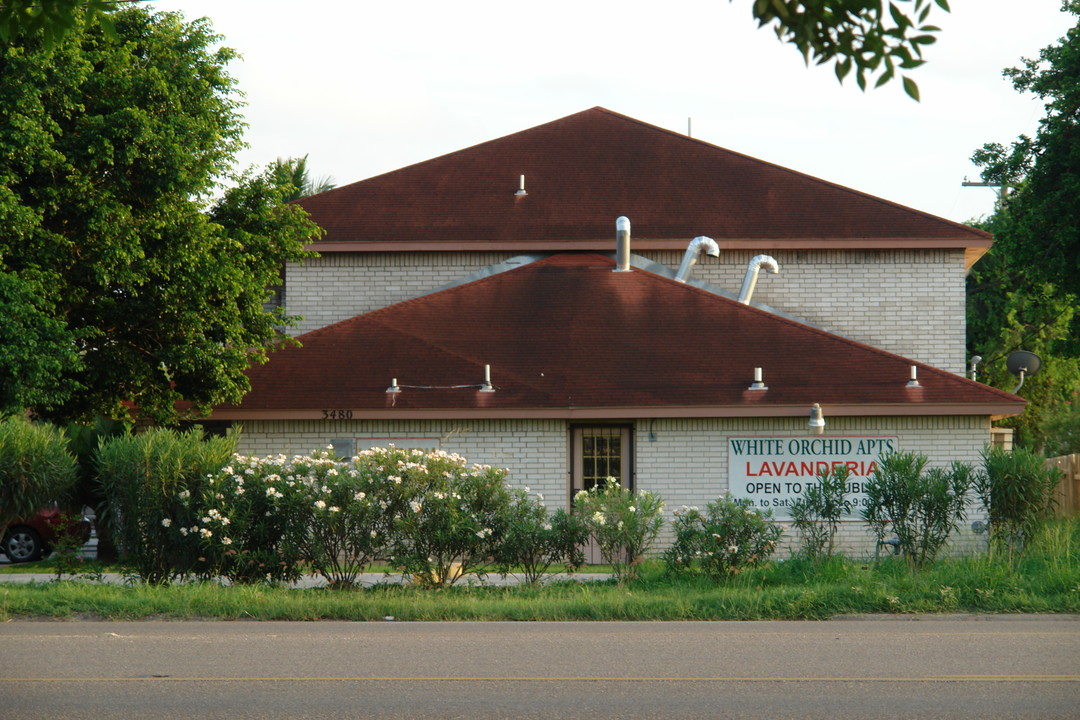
(367, 87)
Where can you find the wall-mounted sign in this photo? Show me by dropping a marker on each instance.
(772, 472)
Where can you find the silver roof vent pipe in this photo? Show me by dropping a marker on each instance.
(622, 244)
(698, 245)
(750, 281)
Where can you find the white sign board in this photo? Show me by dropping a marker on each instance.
(772, 472)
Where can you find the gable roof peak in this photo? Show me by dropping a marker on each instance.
(585, 169)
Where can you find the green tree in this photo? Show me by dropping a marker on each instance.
(1040, 225)
(293, 177)
(1024, 293)
(867, 36)
(120, 281)
(1007, 312)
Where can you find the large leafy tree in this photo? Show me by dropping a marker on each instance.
(1040, 223)
(121, 282)
(1024, 294)
(871, 37)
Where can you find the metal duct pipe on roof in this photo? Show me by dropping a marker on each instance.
(622, 244)
(697, 246)
(750, 281)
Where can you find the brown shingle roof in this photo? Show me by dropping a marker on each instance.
(583, 171)
(567, 337)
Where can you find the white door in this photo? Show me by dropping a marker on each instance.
(599, 452)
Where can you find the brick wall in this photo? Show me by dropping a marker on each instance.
(686, 463)
(534, 451)
(907, 302)
(338, 286)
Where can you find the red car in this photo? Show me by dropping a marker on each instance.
(29, 539)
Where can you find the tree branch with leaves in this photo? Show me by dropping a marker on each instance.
(868, 37)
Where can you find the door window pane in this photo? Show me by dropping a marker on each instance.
(601, 456)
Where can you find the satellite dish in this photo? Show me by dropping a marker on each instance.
(1023, 361)
(1023, 364)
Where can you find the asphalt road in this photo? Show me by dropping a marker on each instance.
(995, 667)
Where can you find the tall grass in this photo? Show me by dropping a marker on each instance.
(773, 593)
(1045, 580)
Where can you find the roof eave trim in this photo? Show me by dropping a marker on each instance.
(994, 410)
(967, 244)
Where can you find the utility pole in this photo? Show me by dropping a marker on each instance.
(1002, 190)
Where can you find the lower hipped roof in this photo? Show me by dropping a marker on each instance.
(567, 337)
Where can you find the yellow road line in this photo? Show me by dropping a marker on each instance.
(929, 678)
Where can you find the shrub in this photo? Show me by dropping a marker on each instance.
(447, 517)
(246, 530)
(921, 508)
(35, 468)
(148, 480)
(344, 527)
(533, 540)
(1017, 491)
(817, 513)
(728, 537)
(427, 512)
(66, 546)
(623, 524)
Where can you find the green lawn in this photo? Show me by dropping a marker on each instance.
(788, 590)
(1047, 580)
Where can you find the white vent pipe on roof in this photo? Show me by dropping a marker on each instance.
(622, 244)
(697, 246)
(750, 281)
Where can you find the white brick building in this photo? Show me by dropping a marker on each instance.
(628, 373)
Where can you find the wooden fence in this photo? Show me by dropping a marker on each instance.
(1068, 490)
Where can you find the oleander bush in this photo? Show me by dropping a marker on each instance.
(249, 518)
(430, 514)
(148, 479)
(1017, 491)
(534, 540)
(921, 506)
(727, 538)
(817, 512)
(35, 468)
(622, 523)
(448, 517)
